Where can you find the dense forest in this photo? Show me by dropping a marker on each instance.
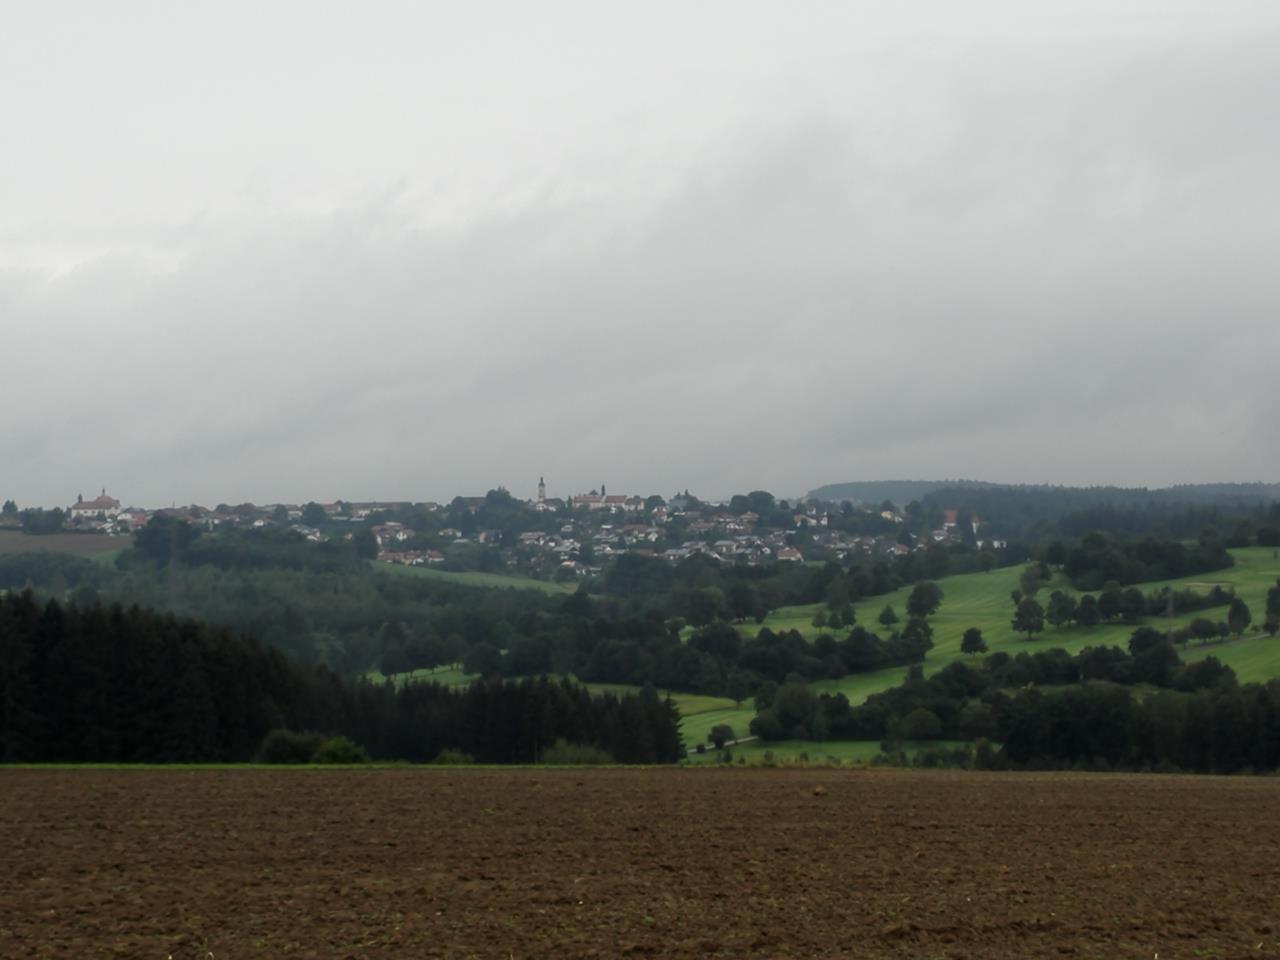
(1036, 515)
(107, 684)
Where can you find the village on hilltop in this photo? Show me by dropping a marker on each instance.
(553, 537)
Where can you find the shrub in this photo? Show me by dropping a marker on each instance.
(450, 756)
(286, 746)
(339, 750)
(921, 724)
(564, 753)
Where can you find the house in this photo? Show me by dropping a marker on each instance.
(392, 532)
(789, 555)
(725, 548)
(99, 508)
(360, 510)
(613, 502)
(133, 518)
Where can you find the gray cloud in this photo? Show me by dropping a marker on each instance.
(1038, 257)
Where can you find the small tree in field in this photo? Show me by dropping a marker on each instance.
(1030, 617)
(720, 734)
(888, 616)
(1238, 616)
(925, 599)
(972, 641)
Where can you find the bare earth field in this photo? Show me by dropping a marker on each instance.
(607, 863)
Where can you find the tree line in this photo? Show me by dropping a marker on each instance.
(1052, 709)
(1039, 514)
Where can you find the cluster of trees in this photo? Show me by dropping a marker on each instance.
(717, 658)
(38, 521)
(700, 590)
(1113, 603)
(108, 684)
(167, 541)
(1052, 709)
(1099, 559)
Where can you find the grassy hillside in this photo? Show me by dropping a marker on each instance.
(983, 600)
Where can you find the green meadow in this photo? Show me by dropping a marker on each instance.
(448, 676)
(782, 752)
(499, 581)
(983, 600)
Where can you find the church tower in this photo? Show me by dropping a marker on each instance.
(542, 489)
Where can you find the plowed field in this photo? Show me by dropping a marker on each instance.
(608, 863)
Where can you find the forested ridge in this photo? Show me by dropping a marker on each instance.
(109, 684)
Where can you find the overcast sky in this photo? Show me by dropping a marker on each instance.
(315, 250)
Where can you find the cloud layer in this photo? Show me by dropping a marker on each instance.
(1015, 254)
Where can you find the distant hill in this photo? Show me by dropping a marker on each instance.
(902, 492)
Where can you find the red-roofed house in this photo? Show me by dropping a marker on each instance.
(99, 508)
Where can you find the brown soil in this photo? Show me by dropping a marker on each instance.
(610, 863)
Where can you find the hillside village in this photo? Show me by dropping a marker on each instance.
(563, 538)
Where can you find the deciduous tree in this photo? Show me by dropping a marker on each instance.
(972, 641)
(1238, 616)
(1029, 618)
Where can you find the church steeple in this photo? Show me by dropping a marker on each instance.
(542, 489)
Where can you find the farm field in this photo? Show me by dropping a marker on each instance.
(525, 863)
(78, 544)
